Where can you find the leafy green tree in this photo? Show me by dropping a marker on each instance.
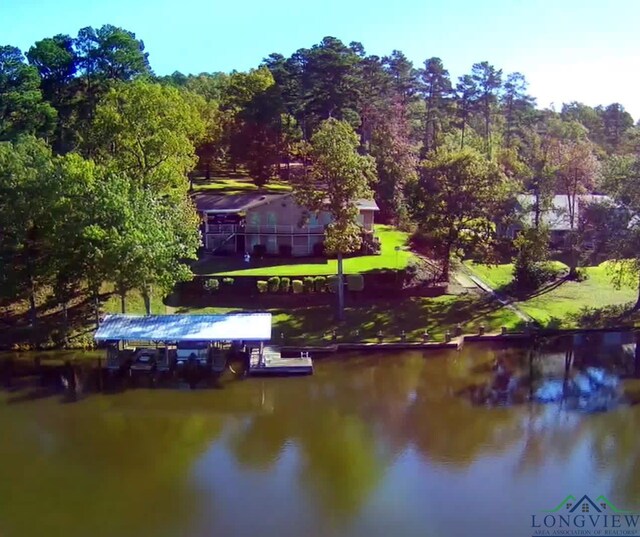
(467, 93)
(27, 194)
(56, 62)
(22, 109)
(147, 132)
(517, 107)
(437, 92)
(616, 121)
(339, 176)
(488, 81)
(456, 200)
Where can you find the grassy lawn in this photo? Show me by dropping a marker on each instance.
(389, 258)
(239, 185)
(313, 324)
(569, 304)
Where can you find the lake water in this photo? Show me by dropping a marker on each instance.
(405, 444)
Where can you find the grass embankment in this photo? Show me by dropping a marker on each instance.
(594, 302)
(389, 258)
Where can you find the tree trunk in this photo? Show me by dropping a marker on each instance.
(446, 263)
(122, 302)
(146, 296)
(96, 307)
(637, 305)
(340, 288)
(33, 311)
(65, 321)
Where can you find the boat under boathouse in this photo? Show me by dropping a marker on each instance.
(164, 342)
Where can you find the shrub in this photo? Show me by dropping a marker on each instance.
(370, 244)
(308, 284)
(227, 282)
(297, 286)
(212, 285)
(263, 286)
(285, 284)
(332, 283)
(320, 284)
(355, 282)
(318, 249)
(274, 284)
(285, 250)
(259, 250)
(530, 269)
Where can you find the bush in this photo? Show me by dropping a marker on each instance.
(212, 285)
(318, 249)
(227, 282)
(308, 284)
(263, 286)
(285, 284)
(274, 284)
(370, 244)
(320, 284)
(297, 286)
(530, 269)
(332, 283)
(285, 250)
(259, 250)
(355, 282)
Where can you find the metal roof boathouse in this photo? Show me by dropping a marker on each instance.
(181, 328)
(162, 342)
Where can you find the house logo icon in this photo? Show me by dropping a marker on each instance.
(584, 515)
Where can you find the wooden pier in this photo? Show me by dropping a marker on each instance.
(271, 362)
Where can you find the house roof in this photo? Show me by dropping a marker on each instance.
(557, 217)
(232, 327)
(367, 205)
(232, 203)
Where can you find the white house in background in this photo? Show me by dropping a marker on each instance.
(236, 223)
(557, 218)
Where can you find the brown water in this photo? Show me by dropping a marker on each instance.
(378, 445)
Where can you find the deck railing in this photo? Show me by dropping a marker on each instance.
(225, 229)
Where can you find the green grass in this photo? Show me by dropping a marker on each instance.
(567, 304)
(314, 324)
(571, 304)
(226, 185)
(388, 258)
(500, 276)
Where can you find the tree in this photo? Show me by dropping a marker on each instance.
(616, 121)
(467, 93)
(339, 176)
(622, 182)
(147, 132)
(456, 201)
(22, 109)
(27, 194)
(576, 171)
(516, 106)
(488, 81)
(437, 90)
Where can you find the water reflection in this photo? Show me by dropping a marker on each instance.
(370, 445)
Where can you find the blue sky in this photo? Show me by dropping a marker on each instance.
(584, 50)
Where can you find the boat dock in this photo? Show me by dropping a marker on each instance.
(269, 361)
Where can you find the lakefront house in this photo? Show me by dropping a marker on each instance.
(275, 223)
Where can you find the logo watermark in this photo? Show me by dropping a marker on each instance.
(586, 516)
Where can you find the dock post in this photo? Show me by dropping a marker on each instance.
(458, 330)
(481, 330)
(447, 336)
(425, 337)
(403, 336)
(503, 330)
(380, 336)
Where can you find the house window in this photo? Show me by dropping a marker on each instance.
(272, 244)
(313, 219)
(254, 219)
(585, 507)
(271, 218)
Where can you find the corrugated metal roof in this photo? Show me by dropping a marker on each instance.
(367, 205)
(557, 216)
(232, 203)
(238, 326)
